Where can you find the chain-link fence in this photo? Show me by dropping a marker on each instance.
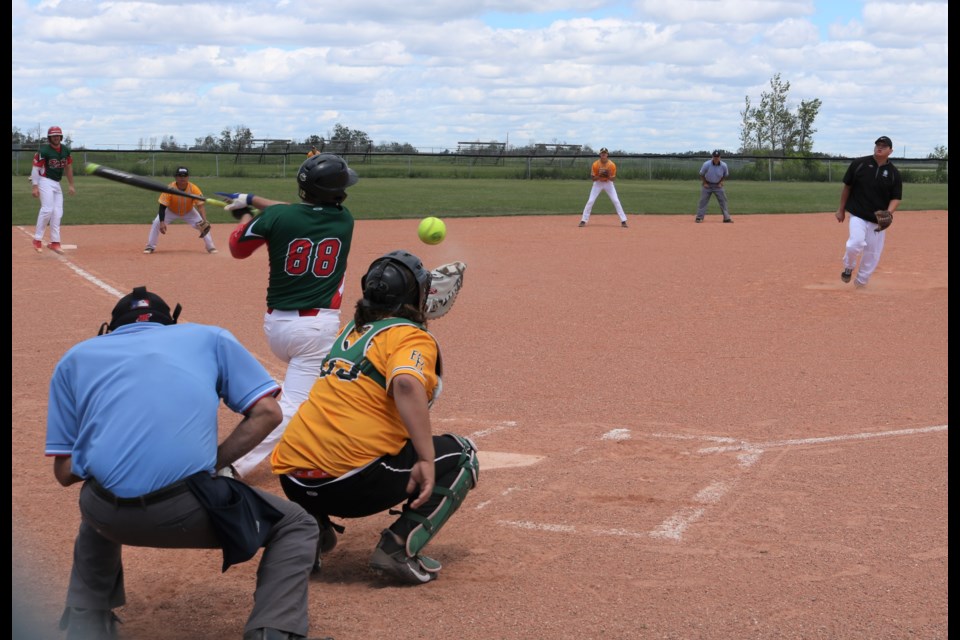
(477, 165)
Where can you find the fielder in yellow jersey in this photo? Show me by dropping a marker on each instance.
(362, 442)
(181, 208)
(603, 172)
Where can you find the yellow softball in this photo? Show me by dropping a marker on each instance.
(432, 230)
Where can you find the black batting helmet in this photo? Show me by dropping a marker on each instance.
(324, 178)
(395, 279)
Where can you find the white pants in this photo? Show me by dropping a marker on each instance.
(598, 186)
(51, 209)
(866, 244)
(302, 342)
(191, 217)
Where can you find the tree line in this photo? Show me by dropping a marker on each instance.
(768, 127)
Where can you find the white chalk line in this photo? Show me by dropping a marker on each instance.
(568, 528)
(823, 440)
(89, 277)
(673, 527)
(276, 372)
(616, 434)
(86, 275)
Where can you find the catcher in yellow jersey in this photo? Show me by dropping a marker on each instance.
(362, 442)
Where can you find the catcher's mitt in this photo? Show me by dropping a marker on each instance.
(203, 228)
(446, 281)
(884, 220)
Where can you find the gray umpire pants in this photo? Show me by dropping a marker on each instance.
(180, 522)
(705, 193)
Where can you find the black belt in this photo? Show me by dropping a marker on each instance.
(153, 497)
(302, 312)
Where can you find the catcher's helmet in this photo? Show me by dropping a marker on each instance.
(140, 305)
(395, 279)
(54, 131)
(323, 179)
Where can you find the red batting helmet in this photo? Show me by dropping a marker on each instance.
(54, 131)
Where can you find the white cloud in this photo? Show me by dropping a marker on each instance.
(724, 11)
(906, 19)
(646, 76)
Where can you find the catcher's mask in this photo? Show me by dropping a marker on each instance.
(395, 279)
(324, 178)
(140, 306)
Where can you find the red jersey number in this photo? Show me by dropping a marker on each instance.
(303, 255)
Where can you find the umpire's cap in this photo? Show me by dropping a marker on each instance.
(141, 306)
(884, 141)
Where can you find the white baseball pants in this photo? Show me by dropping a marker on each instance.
(191, 217)
(302, 342)
(598, 186)
(866, 244)
(51, 209)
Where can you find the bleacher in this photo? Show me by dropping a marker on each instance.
(480, 152)
(557, 153)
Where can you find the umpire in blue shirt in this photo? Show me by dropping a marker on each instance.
(712, 174)
(132, 413)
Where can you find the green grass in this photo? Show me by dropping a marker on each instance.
(100, 201)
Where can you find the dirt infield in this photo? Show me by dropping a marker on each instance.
(686, 431)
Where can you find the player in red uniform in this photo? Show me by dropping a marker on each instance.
(50, 163)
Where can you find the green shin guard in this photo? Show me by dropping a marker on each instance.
(427, 527)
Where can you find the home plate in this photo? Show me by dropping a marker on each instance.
(500, 460)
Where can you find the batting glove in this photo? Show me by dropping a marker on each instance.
(237, 200)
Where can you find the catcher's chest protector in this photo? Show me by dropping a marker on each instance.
(349, 359)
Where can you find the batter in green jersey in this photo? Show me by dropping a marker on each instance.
(308, 245)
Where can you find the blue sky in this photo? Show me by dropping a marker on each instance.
(647, 76)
